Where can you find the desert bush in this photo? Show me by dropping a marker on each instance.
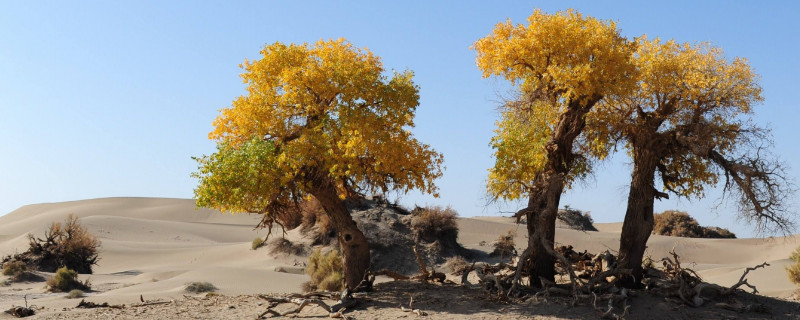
(65, 280)
(325, 271)
(257, 243)
(284, 246)
(455, 264)
(680, 224)
(5, 283)
(200, 287)
(432, 223)
(315, 222)
(68, 245)
(793, 270)
(75, 294)
(17, 271)
(504, 246)
(576, 219)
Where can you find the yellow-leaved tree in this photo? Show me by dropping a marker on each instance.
(687, 124)
(562, 66)
(319, 120)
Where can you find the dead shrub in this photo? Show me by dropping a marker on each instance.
(680, 224)
(65, 280)
(325, 270)
(284, 246)
(315, 222)
(68, 245)
(200, 287)
(576, 219)
(433, 223)
(456, 264)
(793, 270)
(504, 246)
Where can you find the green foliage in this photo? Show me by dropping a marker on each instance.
(65, 280)
(504, 246)
(432, 223)
(325, 271)
(75, 294)
(200, 287)
(257, 243)
(794, 270)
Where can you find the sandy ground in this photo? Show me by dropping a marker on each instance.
(152, 247)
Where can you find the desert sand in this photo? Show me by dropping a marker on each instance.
(152, 247)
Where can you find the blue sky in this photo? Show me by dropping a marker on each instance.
(113, 98)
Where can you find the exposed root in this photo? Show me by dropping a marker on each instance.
(334, 311)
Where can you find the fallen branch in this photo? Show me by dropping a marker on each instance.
(91, 305)
(743, 281)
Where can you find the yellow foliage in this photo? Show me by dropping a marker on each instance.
(325, 107)
(683, 91)
(557, 62)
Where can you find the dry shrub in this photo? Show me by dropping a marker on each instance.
(75, 294)
(325, 271)
(64, 245)
(5, 283)
(65, 280)
(576, 219)
(794, 270)
(504, 246)
(200, 287)
(432, 223)
(315, 222)
(257, 243)
(680, 224)
(284, 246)
(455, 264)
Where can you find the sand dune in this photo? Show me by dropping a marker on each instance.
(153, 247)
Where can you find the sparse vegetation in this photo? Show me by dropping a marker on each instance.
(325, 271)
(793, 270)
(284, 246)
(65, 280)
(5, 283)
(257, 243)
(432, 223)
(75, 294)
(68, 245)
(576, 219)
(455, 264)
(200, 287)
(680, 224)
(504, 246)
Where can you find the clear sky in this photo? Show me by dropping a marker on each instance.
(113, 98)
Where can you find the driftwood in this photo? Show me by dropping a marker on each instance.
(334, 311)
(91, 305)
(22, 312)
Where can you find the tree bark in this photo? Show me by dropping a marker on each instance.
(548, 187)
(638, 224)
(352, 242)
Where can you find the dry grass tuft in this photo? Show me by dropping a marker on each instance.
(455, 264)
(432, 223)
(66, 280)
(18, 271)
(504, 246)
(325, 271)
(284, 246)
(75, 294)
(680, 224)
(793, 270)
(257, 243)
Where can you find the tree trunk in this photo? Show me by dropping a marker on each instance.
(353, 243)
(548, 187)
(638, 224)
(542, 231)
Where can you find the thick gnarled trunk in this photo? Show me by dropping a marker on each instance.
(352, 242)
(638, 224)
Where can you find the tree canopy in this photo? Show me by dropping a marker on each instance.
(327, 106)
